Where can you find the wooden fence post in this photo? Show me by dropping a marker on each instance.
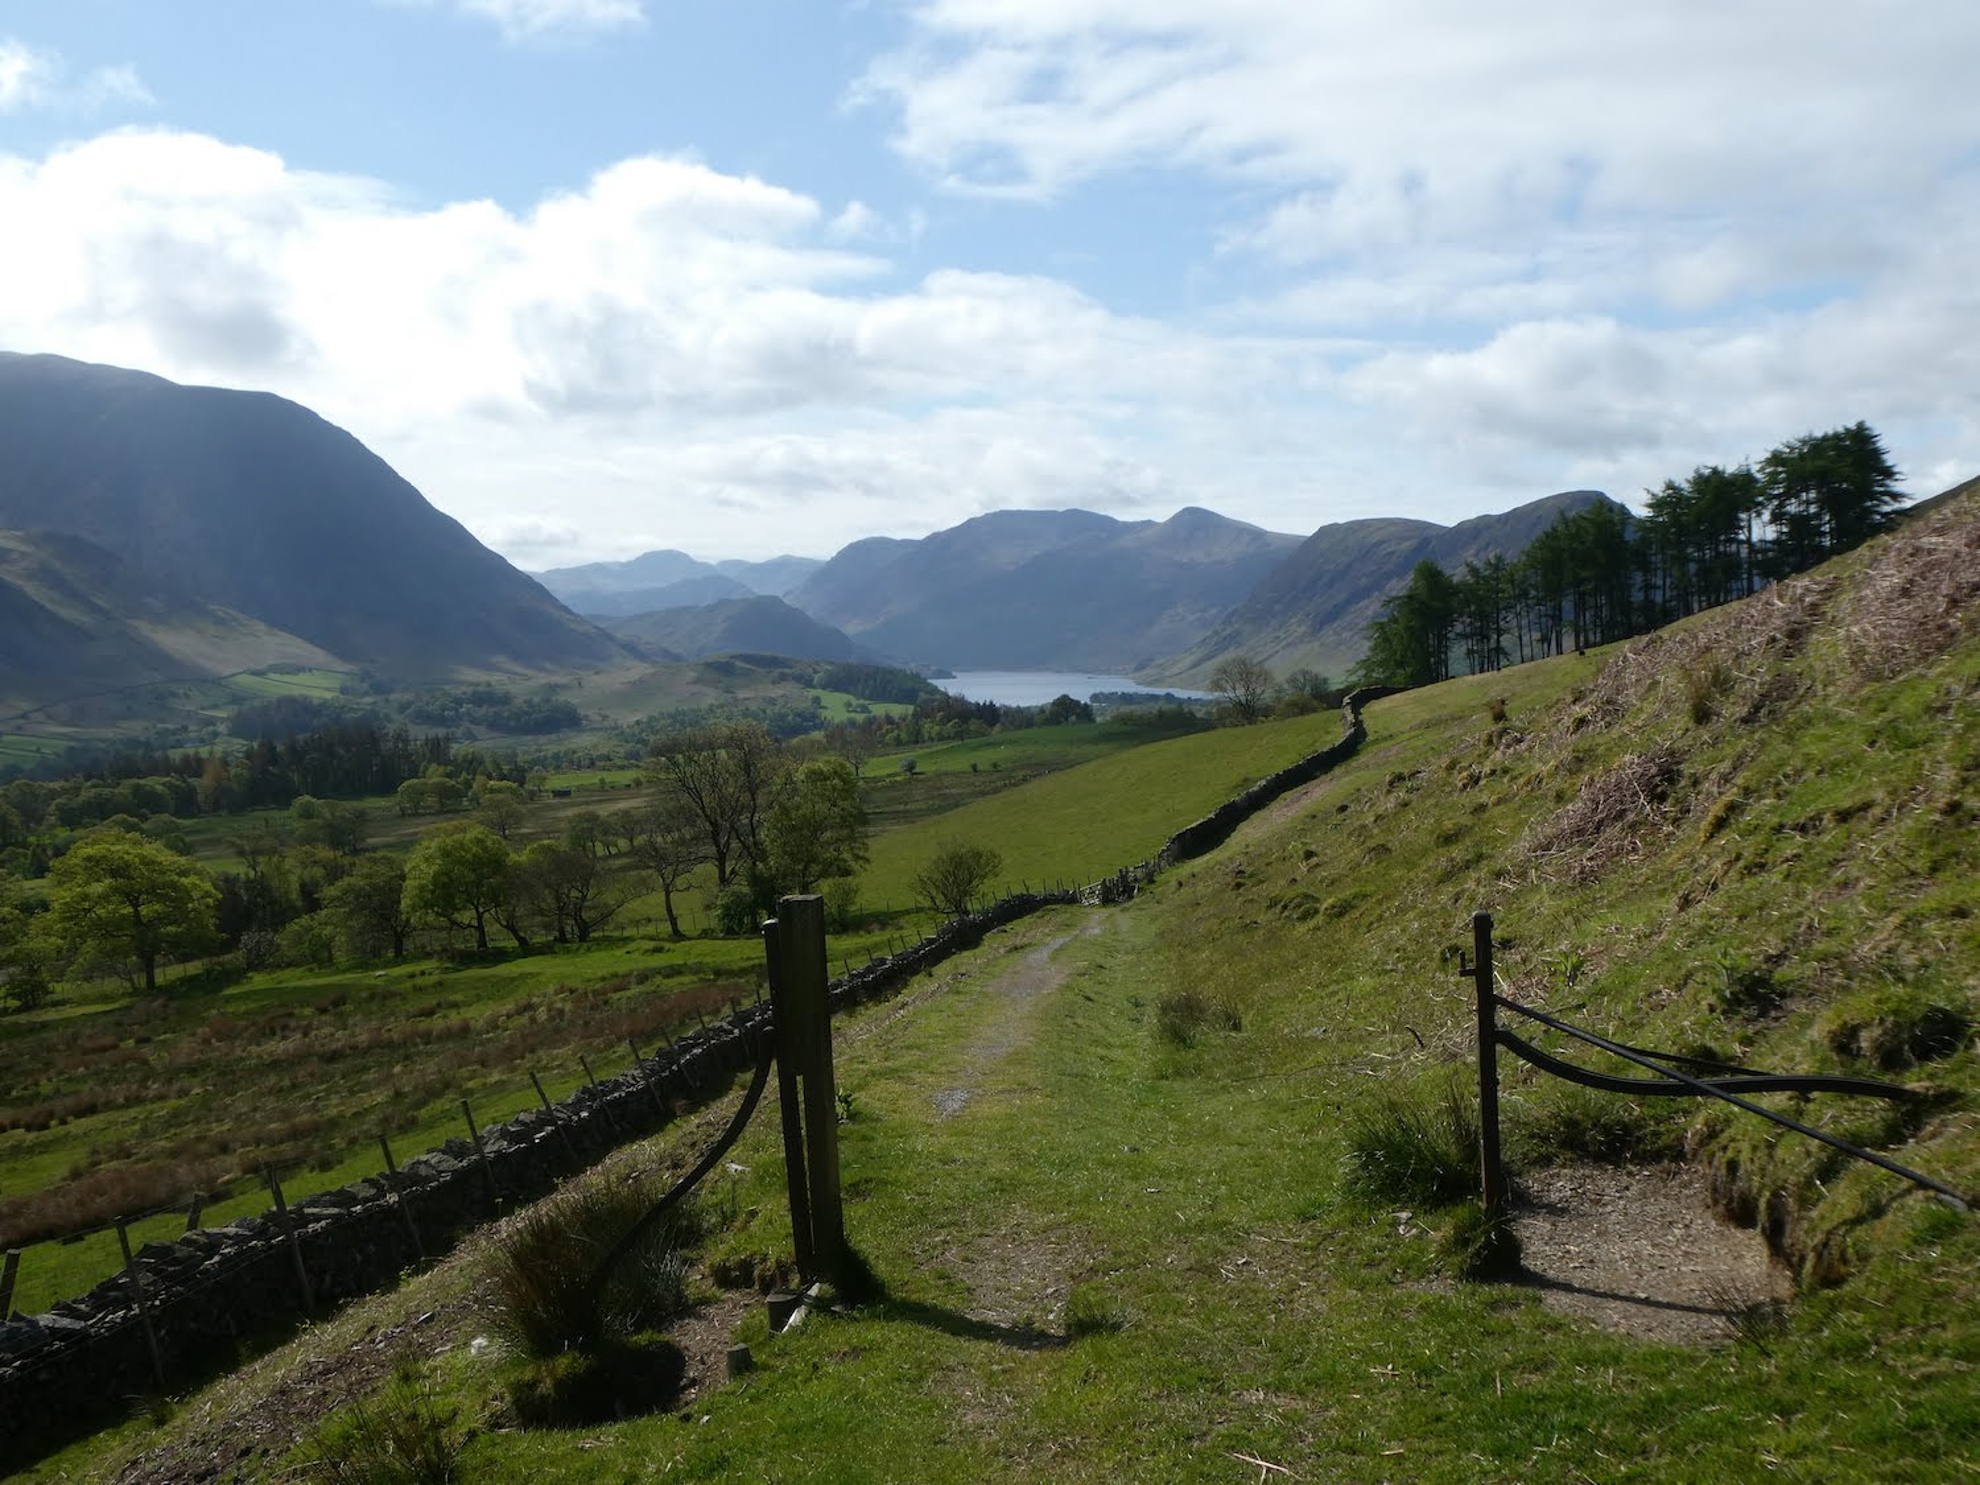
(783, 1023)
(7, 1276)
(399, 1196)
(1491, 1170)
(143, 1306)
(295, 1242)
(562, 1133)
(805, 1033)
(481, 1154)
(591, 1081)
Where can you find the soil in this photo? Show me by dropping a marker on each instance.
(1636, 1249)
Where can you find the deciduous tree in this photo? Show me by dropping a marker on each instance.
(956, 875)
(458, 873)
(122, 897)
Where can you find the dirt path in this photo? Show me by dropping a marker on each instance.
(1013, 990)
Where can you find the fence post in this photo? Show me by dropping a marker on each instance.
(7, 1276)
(395, 1186)
(783, 1023)
(1491, 1171)
(295, 1243)
(591, 1081)
(192, 1222)
(644, 1068)
(481, 1155)
(808, 1037)
(143, 1306)
(563, 1133)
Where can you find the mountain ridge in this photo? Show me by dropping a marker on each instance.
(257, 504)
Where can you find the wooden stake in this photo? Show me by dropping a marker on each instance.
(1491, 1170)
(295, 1242)
(143, 1307)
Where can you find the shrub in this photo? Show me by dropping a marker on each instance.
(545, 1293)
(404, 1436)
(1184, 1016)
(1091, 1310)
(616, 1380)
(1586, 1122)
(1478, 1245)
(1402, 1151)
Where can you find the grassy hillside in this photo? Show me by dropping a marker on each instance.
(1105, 1167)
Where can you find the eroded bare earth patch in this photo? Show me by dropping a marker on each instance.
(1637, 1249)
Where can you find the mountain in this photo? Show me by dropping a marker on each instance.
(774, 576)
(670, 579)
(755, 625)
(689, 592)
(1314, 607)
(1043, 590)
(75, 623)
(253, 503)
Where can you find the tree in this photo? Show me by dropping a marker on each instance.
(121, 897)
(815, 829)
(956, 875)
(23, 975)
(1826, 493)
(367, 908)
(1245, 686)
(726, 775)
(458, 873)
(571, 889)
(1410, 643)
(667, 839)
(502, 813)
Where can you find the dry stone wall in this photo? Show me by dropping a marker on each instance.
(204, 1292)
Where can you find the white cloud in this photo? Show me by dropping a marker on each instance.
(34, 78)
(529, 20)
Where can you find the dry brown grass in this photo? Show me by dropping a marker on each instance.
(1920, 594)
(1610, 819)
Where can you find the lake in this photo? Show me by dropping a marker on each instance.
(1037, 687)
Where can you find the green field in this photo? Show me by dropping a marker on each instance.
(117, 1085)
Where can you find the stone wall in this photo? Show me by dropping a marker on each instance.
(203, 1292)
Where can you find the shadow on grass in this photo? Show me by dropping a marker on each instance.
(862, 1285)
(968, 1327)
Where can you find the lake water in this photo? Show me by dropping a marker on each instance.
(1037, 687)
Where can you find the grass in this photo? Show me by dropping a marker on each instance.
(1124, 1256)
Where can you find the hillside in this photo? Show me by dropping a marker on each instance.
(1042, 590)
(1315, 606)
(75, 623)
(253, 503)
(759, 625)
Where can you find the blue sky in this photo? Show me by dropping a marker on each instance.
(741, 278)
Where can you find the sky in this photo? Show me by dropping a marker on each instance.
(746, 277)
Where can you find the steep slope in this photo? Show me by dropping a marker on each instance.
(1313, 607)
(73, 622)
(759, 625)
(259, 505)
(1043, 590)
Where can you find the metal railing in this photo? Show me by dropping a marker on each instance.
(1729, 1084)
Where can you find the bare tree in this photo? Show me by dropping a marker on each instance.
(1245, 686)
